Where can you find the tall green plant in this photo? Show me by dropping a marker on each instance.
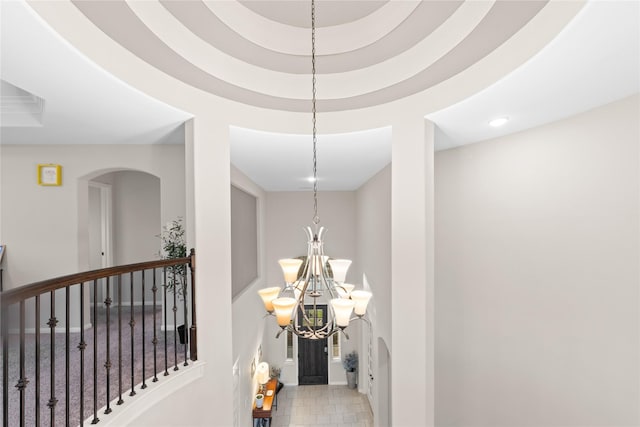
(175, 246)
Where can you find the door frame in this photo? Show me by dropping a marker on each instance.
(106, 227)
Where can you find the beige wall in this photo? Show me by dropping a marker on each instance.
(47, 227)
(537, 275)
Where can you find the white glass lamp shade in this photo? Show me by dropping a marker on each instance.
(342, 309)
(361, 298)
(268, 295)
(284, 309)
(344, 289)
(290, 267)
(339, 267)
(262, 373)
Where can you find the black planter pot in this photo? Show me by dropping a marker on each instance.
(182, 334)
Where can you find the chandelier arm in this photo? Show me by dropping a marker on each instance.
(361, 317)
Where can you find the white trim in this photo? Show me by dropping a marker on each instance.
(47, 330)
(155, 393)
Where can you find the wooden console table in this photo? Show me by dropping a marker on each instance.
(262, 416)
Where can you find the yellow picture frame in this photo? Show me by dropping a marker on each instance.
(49, 174)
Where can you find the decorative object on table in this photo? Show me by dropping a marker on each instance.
(49, 174)
(275, 373)
(259, 400)
(314, 283)
(350, 364)
(174, 246)
(263, 376)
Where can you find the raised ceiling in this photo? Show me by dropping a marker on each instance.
(369, 53)
(573, 56)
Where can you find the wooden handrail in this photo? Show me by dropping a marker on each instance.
(21, 293)
(15, 350)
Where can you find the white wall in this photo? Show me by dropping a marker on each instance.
(136, 217)
(248, 314)
(537, 275)
(374, 258)
(47, 227)
(288, 213)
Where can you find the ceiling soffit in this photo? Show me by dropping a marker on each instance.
(372, 74)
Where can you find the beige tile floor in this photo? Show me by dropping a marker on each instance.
(322, 405)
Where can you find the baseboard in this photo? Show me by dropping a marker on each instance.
(47, 330)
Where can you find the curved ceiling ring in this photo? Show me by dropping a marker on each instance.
(201, 21)
(411, 62)
(118, 21)
(330, 40)
(298, 11)
(353, 83)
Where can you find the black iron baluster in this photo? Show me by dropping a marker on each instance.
(164, 290)
(175, 320)
(155, 336)
(185, 331)
(5, 368)
(37, 361)
(95, 353)
(67, 303)
(120, 401)
(22, 381)
(107, 363)
(144, 359)
(81, 346)
(132, 324)
(52, 330)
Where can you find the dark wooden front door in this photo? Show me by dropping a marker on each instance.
(312, 354)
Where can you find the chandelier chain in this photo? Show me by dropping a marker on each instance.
(316, 218)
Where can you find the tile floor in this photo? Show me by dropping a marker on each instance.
(322, 405)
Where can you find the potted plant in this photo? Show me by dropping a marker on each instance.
(175, 246)
(259, 400)
(350, 364)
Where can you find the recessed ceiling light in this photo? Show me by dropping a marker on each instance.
(498, 122)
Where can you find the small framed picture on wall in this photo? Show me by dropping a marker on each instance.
(49, 175)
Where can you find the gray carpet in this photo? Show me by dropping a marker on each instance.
(119, 385)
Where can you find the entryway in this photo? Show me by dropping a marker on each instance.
(312, 354)
(322, 405)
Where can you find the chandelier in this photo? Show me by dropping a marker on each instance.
(311, 282)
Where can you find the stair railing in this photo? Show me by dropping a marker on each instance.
(126, 342)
